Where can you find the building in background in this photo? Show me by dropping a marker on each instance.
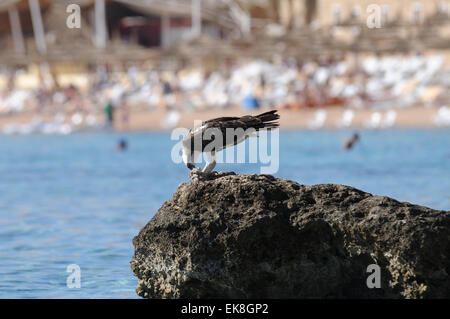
(186, 55)
(170, 33)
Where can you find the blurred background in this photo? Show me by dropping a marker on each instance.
(88, 101)
(160, 64)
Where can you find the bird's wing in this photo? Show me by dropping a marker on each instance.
(222, 119)
(231, 125)
(265, 120)
(204, 135)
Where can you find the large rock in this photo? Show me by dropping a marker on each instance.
(256, 236)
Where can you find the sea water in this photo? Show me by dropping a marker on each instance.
(76, 200)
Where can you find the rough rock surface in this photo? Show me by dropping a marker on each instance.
(256, 236)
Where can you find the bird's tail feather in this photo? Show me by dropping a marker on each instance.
(269, 119)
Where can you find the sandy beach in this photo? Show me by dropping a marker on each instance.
(331, 117)
(289, 119)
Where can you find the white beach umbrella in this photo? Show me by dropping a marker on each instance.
(442, 117)
(389, 118)
(346, 119)
(171, 120)
(77, 118)
(319, 119)
(374, 120)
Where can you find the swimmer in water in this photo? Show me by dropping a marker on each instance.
(350, 142)
(122, 145)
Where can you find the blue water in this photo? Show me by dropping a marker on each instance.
(76, 200)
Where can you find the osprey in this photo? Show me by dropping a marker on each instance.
(216, 134)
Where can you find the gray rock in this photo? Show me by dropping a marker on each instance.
(256, 236)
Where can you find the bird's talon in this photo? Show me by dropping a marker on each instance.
(194, 172)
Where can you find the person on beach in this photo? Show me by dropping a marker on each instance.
(109, 111)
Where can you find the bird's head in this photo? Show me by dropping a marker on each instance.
(188, 152)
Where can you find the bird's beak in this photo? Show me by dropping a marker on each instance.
(190, 166)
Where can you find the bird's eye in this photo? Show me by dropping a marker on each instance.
(190, 166)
